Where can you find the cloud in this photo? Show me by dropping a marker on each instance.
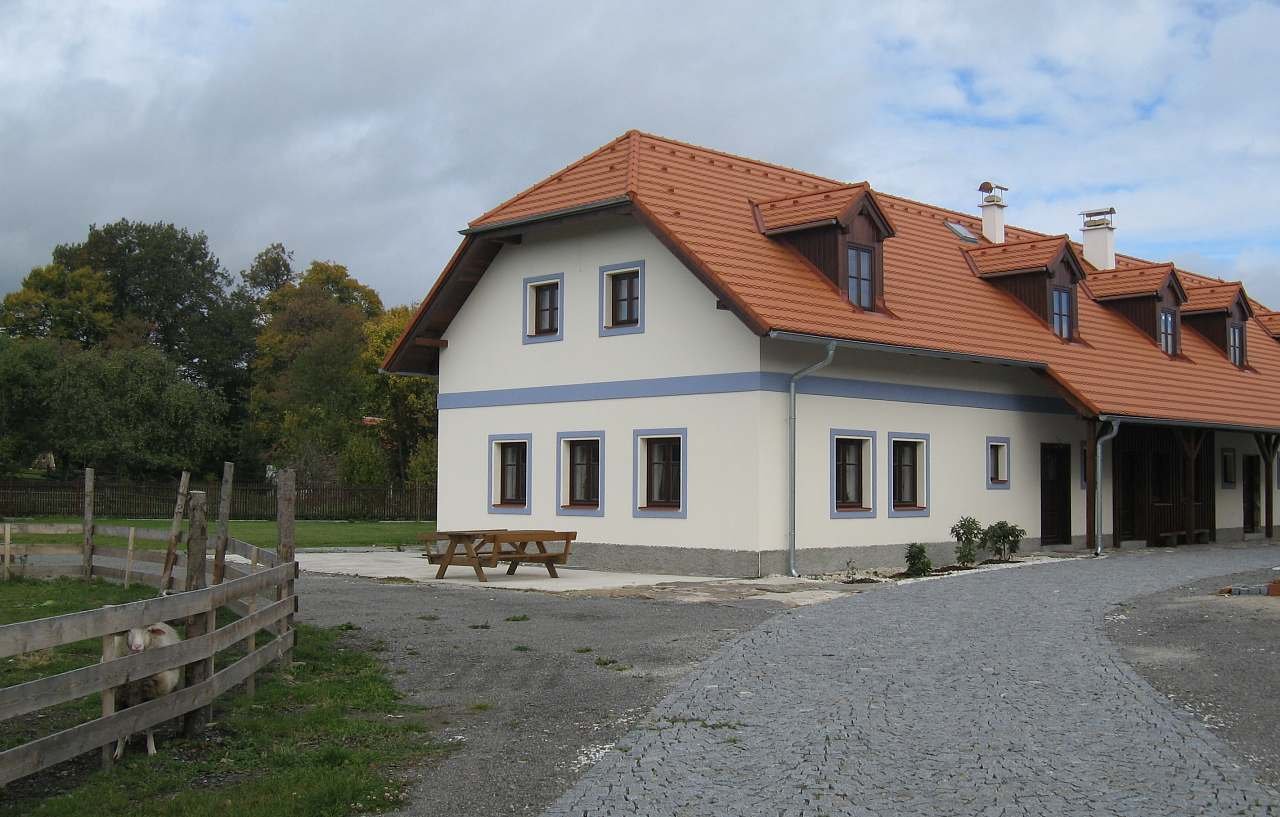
(370, 134)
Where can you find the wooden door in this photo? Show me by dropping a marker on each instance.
(1249, 484)
(1126, 487)
(1055, 494)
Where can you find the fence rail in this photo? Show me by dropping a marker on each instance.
(154, 500)
(209, 584)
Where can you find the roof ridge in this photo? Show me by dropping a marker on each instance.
(741, 158)
(633, 162)
(544, 180)
(1019, 243)
(817, 192)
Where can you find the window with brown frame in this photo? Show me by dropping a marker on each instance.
(512, 489)
(1228, 468)
(546, 309)
(1062, 318)
(861, 276)
(849, 489)
(1235, 344)
(906, 474)
(584, 473)
(1168, 332)
(624, 298)
(662, 482)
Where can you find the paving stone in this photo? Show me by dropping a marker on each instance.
(989, 693)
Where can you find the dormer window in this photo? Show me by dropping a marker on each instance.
(1169, 332)
(861, 277)
(1235, 344)
(1062, 318)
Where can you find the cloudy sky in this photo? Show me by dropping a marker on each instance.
(368, 133)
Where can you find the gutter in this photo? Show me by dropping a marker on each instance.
(907, 350)
(1097, 483)
(791, 454)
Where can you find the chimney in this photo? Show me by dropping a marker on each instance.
(992, 211)
(1100, 238)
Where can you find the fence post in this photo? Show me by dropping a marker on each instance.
(175, 531)
(108, 694)
(8, 542)
(286, 497)
(197, 623)
(224, 523)
(128, 559)
(87, 567)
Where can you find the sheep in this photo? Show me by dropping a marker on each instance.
(152, 687)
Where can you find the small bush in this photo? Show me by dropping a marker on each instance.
(968, 534)
(918, 563)
(1002, 539)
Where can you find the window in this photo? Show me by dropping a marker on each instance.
(622, 298)
(1235, 344)
(662, 483)
(1084, 464)
(580, 466)
(998, 463)
(853, 489)
(509, 473)
(1061, 316)
(909, 474)
(543, 308)
(546, 309)
(1228, 468)
(660, 478)
(961, 232)
(1168, 331)
(861, 287)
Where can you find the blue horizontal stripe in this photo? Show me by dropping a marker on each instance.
(732, 382)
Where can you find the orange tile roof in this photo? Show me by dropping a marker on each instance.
(699, 202)
(1127, 282)
(1216, 297)
(809, 208)
(991, 260)
(1270, 321)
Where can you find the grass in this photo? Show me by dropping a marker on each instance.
(521, 617)
(326, 738)
(261, 532)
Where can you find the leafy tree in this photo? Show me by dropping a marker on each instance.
(57, 302)
(25, 370)
(271, 269)
(405, 405)
(422, 464)
(363, 462)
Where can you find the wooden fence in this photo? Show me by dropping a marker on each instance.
(154, 500)
(257, 584)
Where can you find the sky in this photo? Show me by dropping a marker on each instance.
(370, 133)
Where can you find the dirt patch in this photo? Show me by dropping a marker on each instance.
(1217, 657)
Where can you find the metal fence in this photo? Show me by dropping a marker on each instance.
(154, 500)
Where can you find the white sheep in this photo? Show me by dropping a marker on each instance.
(146, 689)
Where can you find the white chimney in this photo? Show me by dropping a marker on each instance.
(992, 211)
(1100, 238)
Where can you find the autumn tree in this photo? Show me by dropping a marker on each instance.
(57, 302)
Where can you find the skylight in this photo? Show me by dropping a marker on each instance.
(961, 231)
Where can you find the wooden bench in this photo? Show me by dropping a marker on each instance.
(1171, 538)
(487, 548)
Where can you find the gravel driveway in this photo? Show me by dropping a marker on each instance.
(984, 694)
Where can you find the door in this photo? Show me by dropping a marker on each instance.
(1055, 494)
(1126, 490)
(1249, 484)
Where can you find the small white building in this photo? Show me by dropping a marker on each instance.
(617, 347)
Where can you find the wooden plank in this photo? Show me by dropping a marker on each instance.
(136, 577)
(197, 672)
(128, 559)
(42, 633)
(43, 571)
(87, 563)
(122, 531)
(67, 686)
(224, 522)
(60, 746)
(54, 550)
(46, 529)
(251, 552)
(8, 555)
(175, 530)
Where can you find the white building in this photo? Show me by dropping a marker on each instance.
(616, 347)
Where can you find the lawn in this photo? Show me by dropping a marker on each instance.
(329, 737)
(308, 532)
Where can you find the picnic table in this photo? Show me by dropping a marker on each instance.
(486, 548)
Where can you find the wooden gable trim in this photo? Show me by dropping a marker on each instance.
(865, 204)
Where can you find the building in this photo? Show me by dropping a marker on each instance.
(634, 347)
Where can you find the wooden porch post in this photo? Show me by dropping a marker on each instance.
(1090, 486)
(1267, 444)
(1192, 439)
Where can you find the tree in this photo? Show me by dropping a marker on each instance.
(25, 369)
(309, 384)
(58, 302)
(405, 405)
(271, 269)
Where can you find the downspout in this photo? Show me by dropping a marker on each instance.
(1097, 484)
(791, 428)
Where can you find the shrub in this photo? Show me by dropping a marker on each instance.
(918, 563)
(968, 534)
(1002, 539)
